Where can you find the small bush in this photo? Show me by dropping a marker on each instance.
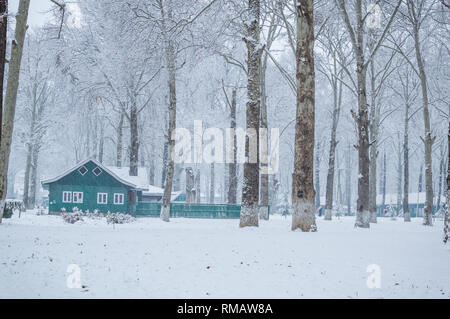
(72, 218)
(95, 215)
(119, 218)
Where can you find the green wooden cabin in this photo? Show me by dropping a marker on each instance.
(92, 186)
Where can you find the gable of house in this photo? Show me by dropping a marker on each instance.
(89, 186)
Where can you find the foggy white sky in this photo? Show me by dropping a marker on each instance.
(38, 11)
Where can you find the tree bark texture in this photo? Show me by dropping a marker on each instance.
(250, 190)
(303, 193)
(11, 98)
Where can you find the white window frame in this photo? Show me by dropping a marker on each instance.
(97, 175)
(67, 197)
(86, 170)
(79, 198)
(120, 199)
(100, 196)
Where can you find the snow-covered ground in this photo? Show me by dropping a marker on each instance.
(215, 259)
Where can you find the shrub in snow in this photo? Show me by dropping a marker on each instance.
(119, 218)
(72, 218)
(95, 215)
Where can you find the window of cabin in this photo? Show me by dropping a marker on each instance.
(78, 197)
(83, 170)
(119, 199)
(102, 198)
(67, 197)
(97, 171)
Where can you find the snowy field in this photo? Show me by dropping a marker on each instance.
(216, 259)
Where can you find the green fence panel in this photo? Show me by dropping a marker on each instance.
(184, 210)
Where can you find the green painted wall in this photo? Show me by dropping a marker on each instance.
(90, 185)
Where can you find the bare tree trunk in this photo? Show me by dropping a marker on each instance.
(373, 181)
(447, 212)
(383, 204)
(87, 145)
(362, 118)
(441, 178)
(119, 145)
(190, 186)
(337, 97)
(363, 214)
(264, 176)
(170, 165)
(95, 135)
(374, 125)
(165, 163)
(428, 140)
(303, 193)
(232, 167)
(3, 36)
(33, 178)
(447, 218)
(348, 182)
(399, 177)
(317, 177)
(406, 212)
(212, 184)
(151, 167)
(198, 187)
(11, 98)
(170, 57)
(26, 180)
(339, 189)
(101, 147)
(134, 143)
(250, 190)
(419, 189)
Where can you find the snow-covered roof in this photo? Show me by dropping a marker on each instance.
(158, 191)
(140, 181)
(153, 191)
(126, 181)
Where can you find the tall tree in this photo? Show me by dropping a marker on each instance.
(417, 12)
(173, 21)
(363, 60)
(3, 36)
(447, 211)
(383, 184)
(348, 181)
(232, 166)
(408, 93)
(11, 97)
(303, 193)
(333, 69)
(271, 18)
(250, 190)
